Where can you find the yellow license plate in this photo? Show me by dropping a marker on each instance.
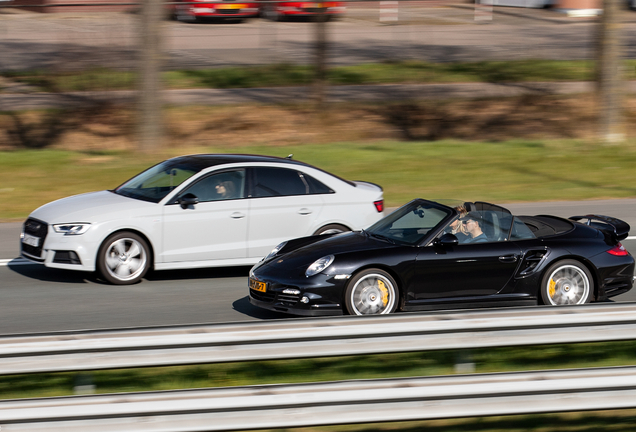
(312, 5)
(258, 286)
(230, 6)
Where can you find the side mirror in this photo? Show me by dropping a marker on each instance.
(447, 239)
(188, 200)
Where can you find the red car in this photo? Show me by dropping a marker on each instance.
(199, 10)
(278, 11)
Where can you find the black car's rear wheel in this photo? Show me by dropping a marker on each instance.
(123, 258)
(567, 282)
(371, 292)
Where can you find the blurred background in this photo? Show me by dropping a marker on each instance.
(149, 75)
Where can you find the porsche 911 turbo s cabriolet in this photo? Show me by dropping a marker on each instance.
(413, 259)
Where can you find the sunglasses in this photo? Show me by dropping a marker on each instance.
(466, 221)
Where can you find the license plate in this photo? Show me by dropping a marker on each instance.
(230, 6)
(258, 286)
(31, 240)
(312, 5)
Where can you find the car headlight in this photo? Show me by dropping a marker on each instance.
(319, 265)
(72, 228)
(275, 251)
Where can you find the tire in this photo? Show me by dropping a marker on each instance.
(567, 282)
(332, 229)
(183, 16)
(371, 292)
(270, 12)
(123, 258)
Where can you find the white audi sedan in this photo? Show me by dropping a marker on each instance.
(205, 210)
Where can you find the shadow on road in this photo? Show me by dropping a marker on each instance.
(42, 273)
(202, 273)
(45, 274)
(244, 306)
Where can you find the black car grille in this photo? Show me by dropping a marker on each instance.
(271, 297)
(288, 299)
(228, 11)
(262, 296)
(38, 229)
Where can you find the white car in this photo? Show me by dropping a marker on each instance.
(196, 211)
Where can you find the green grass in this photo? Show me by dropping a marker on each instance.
(513, 171)
(324, 369)
(364, 367)
(290, 75)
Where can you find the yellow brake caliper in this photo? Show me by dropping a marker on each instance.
(385, 292)
(552, 288)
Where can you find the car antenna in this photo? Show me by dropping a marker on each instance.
(291, 155)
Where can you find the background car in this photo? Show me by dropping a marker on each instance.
(187, 11)
(196, 211)
(279, 11)
(410, 261)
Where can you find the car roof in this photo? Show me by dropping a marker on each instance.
(203, 161)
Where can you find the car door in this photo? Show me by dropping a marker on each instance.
(215, 228)
(281, 208)
(471, 269)
(464, 270)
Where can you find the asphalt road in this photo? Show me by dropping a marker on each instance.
(62, 42)
(37, 299)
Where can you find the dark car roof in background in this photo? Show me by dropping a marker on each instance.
(203, 161)
(208, 160)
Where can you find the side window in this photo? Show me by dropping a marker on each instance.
(221, 186)
(496, 225)
(270, 182)
(316, 187)
(520, 231)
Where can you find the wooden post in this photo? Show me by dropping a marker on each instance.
(609, 74)
(149, 109)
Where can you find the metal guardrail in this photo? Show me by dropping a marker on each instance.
(313, 404)
(304, 338)
(280, 406)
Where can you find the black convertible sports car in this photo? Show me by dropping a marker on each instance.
(411, 260)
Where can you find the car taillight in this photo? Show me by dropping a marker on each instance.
(618, 250)
(379, 205)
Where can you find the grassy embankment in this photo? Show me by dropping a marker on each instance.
(286, 75)
(496, 172)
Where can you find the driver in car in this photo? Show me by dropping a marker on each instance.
(472, 225)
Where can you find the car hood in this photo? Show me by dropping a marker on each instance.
(90, 207)
(339, 244)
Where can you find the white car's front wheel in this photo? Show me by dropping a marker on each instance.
(123, 258)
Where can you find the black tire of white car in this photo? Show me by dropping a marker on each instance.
(567, 282)
(371, 292)
(331, 229)
(123, 258)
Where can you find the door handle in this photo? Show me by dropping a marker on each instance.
(237, 215)
(508, 258)
(304, 211)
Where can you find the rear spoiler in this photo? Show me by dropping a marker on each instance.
(618, 228)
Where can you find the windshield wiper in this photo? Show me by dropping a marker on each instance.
(381, 237)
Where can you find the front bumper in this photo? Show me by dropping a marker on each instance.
(316, 310)
(57, 250)
(276, 290)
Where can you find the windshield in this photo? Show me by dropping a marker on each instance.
(411, 223)
(157, 182)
